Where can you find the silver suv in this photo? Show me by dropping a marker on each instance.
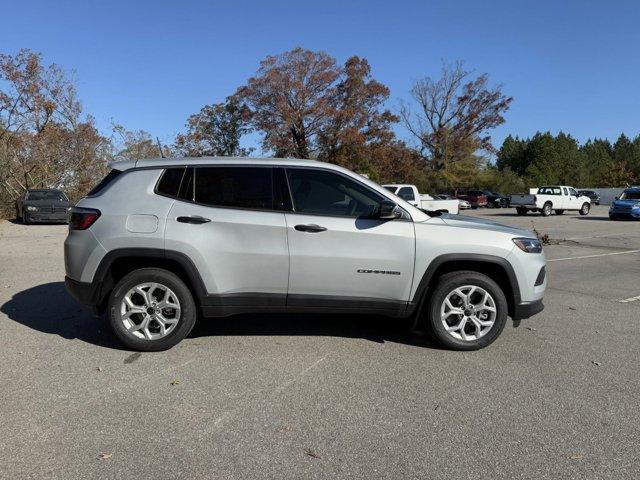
(158, 242)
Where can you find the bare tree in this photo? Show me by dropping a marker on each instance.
(452, 112)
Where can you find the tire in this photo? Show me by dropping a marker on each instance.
(151, 338)
(612, 217)
(559, 212)
(521, 211)
(474, 207)
(584, 210)
(465, 281)
(546, 209)
(18, 217)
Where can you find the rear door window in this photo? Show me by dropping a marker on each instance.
(235, 187)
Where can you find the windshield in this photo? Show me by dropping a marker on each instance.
(47, 195)
(632, 195)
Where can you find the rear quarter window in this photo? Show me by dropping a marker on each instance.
(104, 183)
(169, 183)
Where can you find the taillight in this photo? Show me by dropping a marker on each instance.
(82, 218)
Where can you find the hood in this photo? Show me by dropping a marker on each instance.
(463, 221)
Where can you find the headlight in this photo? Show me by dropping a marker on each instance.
(529, 245)
(31, 208)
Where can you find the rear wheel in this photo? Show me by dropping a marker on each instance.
(584, 210)
(521, 211)
(467, 311)
(546, 209)
(559, 212)
(151, 309)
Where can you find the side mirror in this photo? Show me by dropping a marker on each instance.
(617, 198)
(388, 210)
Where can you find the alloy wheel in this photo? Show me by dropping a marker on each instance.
(150, 311)
(468, 313)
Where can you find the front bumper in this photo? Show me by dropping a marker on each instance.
(625, 214)
(50, 217)
(527, 309)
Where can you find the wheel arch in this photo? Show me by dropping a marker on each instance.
(496, 268)
(118, 263)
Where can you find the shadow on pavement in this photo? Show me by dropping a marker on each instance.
(374, 328)
(48, 308)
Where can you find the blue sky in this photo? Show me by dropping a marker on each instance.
(570, 65)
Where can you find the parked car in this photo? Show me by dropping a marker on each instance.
(595, 198)
(43, 205)
(462, 204)
(159, 241)
(556, 198)
(626, 205)
(409, 193)
(496, 200)
(476, 198)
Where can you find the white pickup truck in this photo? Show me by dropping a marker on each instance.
(555, 197)
(410, 194)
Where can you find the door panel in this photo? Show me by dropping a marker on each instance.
(352, 258)
(237, 251)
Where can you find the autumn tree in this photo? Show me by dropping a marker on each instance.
(44, 139)
(357, 123)
(452, 111)
(291, 98)
(216, 131)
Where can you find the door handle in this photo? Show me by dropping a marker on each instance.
(312, 228)
(195, 219)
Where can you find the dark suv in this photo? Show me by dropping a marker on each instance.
(43, 205)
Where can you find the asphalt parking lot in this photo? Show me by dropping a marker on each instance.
(328, 397)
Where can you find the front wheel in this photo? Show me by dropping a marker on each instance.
(521, 211)
(151, 309)
(584, 210)
(559, 212)
(467, 311)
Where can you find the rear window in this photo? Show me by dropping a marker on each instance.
(549, 191)
(105, 182)
(169, 183)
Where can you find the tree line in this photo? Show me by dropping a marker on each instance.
(303, 104)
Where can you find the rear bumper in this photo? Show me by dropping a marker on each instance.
(83, 292)
(527, 309)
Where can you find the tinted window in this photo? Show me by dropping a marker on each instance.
(238, 187)
(53, 195)
(186, 186)
(327, 193)
(565, 191)
(549, 190)
(406, 193)
(169, 183)
(110, 177)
